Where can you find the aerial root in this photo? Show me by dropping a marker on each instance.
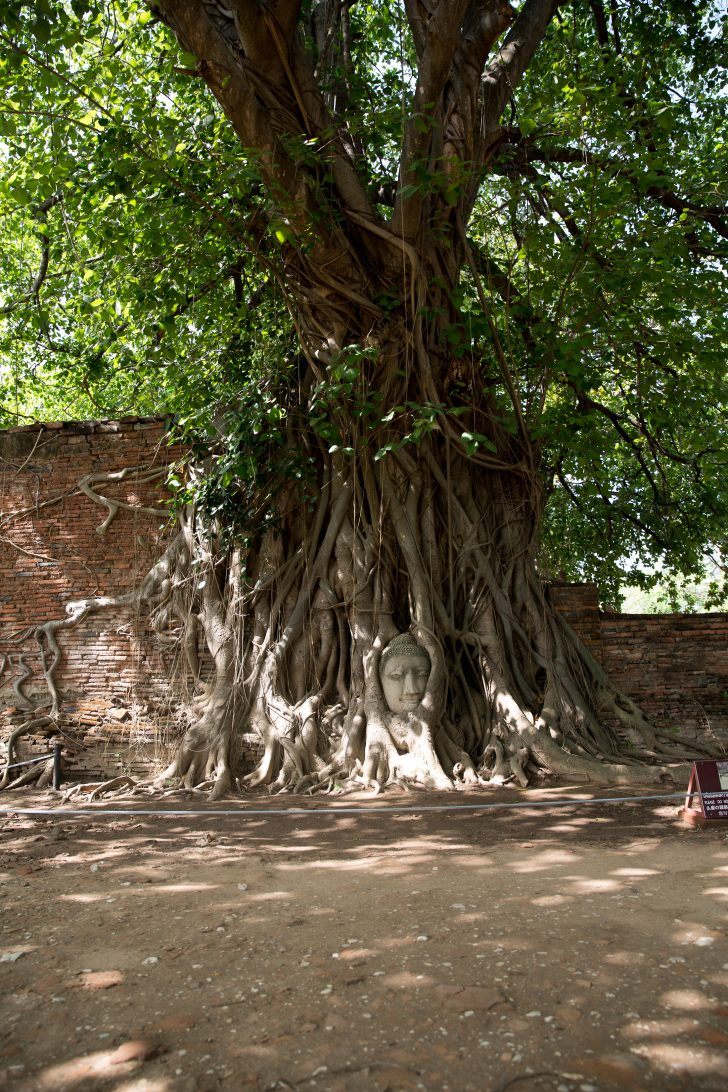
(42, 774)
(94, 790)
(126, 788)
(509, 763)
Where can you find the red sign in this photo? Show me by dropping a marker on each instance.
(708, 786)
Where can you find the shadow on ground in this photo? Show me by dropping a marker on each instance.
(563, 948)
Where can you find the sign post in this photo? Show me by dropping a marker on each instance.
(709, 785)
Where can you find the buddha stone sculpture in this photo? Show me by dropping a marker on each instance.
(404, 669)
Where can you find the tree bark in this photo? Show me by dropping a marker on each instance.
(428, 496)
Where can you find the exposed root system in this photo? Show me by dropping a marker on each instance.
(287, 640)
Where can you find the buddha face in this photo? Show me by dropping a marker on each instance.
(404, 681)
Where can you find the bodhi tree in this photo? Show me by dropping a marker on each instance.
(496, 234)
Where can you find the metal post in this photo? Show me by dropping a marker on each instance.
(57, 766)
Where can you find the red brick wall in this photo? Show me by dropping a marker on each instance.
(116, 699)
(120, 710)
(579, 604)
(674, 665)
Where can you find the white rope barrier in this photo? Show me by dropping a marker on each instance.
(362, 809)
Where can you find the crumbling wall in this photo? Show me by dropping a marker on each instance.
(119, 709)
(124, 694)
(674, 665)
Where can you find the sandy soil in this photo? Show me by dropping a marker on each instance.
(565, 948)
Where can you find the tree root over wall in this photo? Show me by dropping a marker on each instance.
(293, 630)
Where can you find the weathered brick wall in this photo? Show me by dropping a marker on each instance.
(674, 665)
(123, 705)
(579, 604)
(118, 705)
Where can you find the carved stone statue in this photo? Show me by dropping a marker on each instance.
(404, 669)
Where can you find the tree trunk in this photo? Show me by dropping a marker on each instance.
(407, 535)
(424, 498)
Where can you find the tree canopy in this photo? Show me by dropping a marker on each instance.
(146, 259)
(436, 290)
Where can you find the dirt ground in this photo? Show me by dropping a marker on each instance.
(565, 948)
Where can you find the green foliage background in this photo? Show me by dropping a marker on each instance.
(604, 271)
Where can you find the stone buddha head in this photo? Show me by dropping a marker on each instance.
(404, 668)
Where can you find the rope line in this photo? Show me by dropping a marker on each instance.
(27, 762)
(348, 810)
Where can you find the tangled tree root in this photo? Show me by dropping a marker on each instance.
(39, 774)
(95, 790)
(287, 640)
(126, 788)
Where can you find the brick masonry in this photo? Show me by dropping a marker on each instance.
(119, 709)
(674, 665)
(124, 699)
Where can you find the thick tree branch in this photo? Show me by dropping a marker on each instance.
(257, 66)
(600, 23)
(251, 22)
(41, 215)
(506, 71)
(255, 105)
(439, 37)
(265, 83)
(463, 117)
(518, 152)
(417, 14)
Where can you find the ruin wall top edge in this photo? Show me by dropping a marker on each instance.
(101, 424)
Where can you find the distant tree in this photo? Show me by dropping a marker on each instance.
(415, 273)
